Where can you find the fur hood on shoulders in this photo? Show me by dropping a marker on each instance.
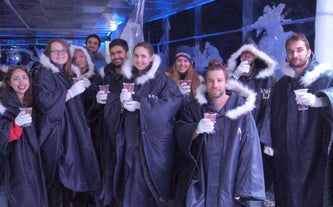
(309, 76)
(127, 70)
(46, 62)
(2, 109)
(239, 88)
(266, 68)
(76, 69)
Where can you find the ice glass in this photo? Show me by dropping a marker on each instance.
(129, 86)
(104, 88)
(301, 107)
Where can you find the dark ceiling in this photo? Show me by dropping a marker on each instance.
(75, 19)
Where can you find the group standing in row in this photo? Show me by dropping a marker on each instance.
(166, 137)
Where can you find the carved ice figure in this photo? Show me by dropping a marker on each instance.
(202, 59)
(273, 40)
(133, 31)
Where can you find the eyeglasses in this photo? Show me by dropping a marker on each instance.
(57, 52)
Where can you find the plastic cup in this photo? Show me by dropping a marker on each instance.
(301, 107)
(129, 86)
(104, 88)
(27, 110)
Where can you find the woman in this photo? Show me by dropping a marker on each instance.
(183, 73)
(83, 67)
(68, 156)
(145, 143)
(21, 170)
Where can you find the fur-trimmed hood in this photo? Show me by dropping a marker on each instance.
(239, 88)
(46, 62)
(266, 68)
(91, 65)
(127, 70)
(309, 76)
(2, 109)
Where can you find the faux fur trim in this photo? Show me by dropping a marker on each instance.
(101, 72)
(2, 109)
(76, 70)
(91, 65)
(309, 76)
(4, 68)
(236, 86)
(128, 67)
(46, 62)
(264, 72)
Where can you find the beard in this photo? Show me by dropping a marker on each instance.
(215, 94)
(302, 63)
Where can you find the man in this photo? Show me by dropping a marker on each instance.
(113, 77)
(255, 69)
(221, 161)
(93, 43)
(301, 126)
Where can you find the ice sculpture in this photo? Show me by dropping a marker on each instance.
(133, 31)
(202, 59)
(273, 40)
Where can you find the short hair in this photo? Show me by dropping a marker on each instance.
(119, 42)
(145, 45)
(297, 37)
(216, 65)
(94, 36)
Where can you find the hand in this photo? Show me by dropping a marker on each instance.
(205, 126)
(132, 105)
(22, 119)
(77, 88)
(309, 99)
(101, 97)
(86, 82)
(185, 89)
(243, 67)
(125, 96)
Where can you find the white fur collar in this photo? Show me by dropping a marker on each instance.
(236, 86)
(309, 76)
(46, 62)
(2, 109)
(127, 68)
(4, 68)
(263, 73)
(91, 66)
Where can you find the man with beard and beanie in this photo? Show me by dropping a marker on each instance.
(221, 163)
(255, 69)
(112, 76)
(301, 128)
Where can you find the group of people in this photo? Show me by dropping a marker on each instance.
(131, 133)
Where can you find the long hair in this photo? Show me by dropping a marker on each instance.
(190, 75)
(68, 64)
(27, 98)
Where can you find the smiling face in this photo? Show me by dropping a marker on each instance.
(182, 65)
(93, 44)
(142, 58)
(80, 60)
(298, 55)
(118, 55)
(58, 54)
(19, 81)
(216, 84)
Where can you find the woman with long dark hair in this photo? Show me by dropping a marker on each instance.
(21, 170)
